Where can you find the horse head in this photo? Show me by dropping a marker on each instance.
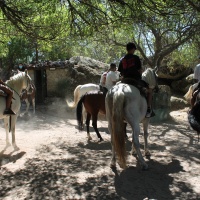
(155, 70)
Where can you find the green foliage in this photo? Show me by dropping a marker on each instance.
(183, 57)
(100, 29)
(17, 50)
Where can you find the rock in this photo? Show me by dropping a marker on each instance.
(86, 61)
(177, 73)
(162, 104)
(178, 103)
(183, 84)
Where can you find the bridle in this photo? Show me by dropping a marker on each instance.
(27, 86)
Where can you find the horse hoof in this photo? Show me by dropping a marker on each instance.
(147, 153)
(112, 166)
(16, 148)
(145, 167)
(89, 138)
(8, 145)
(134, 153)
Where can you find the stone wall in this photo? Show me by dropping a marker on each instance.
(54, 76)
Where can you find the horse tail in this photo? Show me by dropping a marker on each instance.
(79, 110)
(76, 97)
(188, 95)
(118, 127)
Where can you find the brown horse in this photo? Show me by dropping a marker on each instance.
(29, 97)
(94, 102)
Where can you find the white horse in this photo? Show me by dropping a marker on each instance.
(16, 83)
(189, 93)
(124, 102)
(81, 90)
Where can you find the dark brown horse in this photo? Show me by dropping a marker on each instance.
(94, 102)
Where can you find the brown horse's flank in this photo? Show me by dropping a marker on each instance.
(94, 102)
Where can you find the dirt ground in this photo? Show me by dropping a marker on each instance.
(55, 160)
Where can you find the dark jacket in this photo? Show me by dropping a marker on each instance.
(130, 66)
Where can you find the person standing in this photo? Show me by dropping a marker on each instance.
(21, 67)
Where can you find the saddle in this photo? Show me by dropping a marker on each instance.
(141, 85)
(2, 93)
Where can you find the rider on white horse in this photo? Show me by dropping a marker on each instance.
(130, 67)
(9, 93)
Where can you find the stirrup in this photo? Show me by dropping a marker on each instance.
(9, 112)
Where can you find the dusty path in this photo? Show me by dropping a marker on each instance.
(55, 161)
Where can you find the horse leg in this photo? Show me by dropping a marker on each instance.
(113, 159)
(33, 103)
(125, 134)
(88, 125)
(27, 105)
(13, 122)
(94, 124)
(6, 125)
(145, 128)
(109, 107)
(136, 144)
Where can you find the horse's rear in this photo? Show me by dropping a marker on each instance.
(94, 102)
(79, 91)
(124, 101)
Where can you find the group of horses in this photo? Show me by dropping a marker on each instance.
(123, 104)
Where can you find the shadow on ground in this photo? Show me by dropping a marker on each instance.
(60, 171)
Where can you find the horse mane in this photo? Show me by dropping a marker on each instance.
(93, 92)
(15, 79)
(149, 76)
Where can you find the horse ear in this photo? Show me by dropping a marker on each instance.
(26, 71)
